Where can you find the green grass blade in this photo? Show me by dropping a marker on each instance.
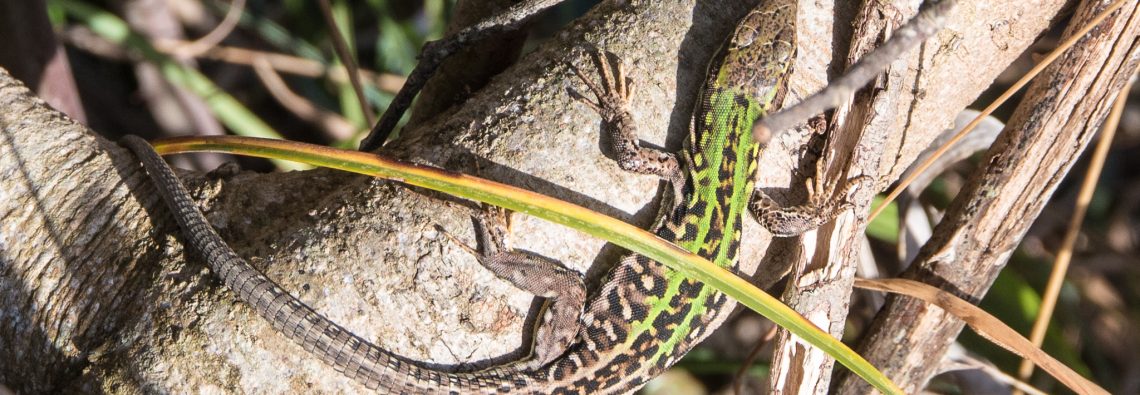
(550, 209)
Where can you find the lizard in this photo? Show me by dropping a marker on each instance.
(645, 316)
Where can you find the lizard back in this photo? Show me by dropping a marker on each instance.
(647, 316)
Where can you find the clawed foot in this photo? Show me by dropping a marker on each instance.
(612, 98)
(822, 206)
(563, 288)
(611, 101)
(492, 227)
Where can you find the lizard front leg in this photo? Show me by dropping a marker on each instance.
(613, 105)
(822, 206)
(563, 289)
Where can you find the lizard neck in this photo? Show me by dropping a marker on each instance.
(720, 157)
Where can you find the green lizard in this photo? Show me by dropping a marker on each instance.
(645, 316)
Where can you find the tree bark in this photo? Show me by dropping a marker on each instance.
(873, 136)
(97, 293)
(1060, 114)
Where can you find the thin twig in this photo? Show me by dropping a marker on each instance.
(928, 21)
(348, 59)
(290, 64)
(84, 39)
(331, 123)
(738, 381)
(435, 52)
(1056, 53)
(211, 39)
(998, 375)
(1065, 253)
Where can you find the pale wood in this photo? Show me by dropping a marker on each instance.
(871, 137)
(1059, 116)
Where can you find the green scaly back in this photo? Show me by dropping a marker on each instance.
(647, 312)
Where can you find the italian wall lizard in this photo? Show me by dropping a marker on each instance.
(645, 316)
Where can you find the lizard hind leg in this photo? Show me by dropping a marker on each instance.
(563, 288)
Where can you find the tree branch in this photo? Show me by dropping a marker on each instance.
(101, 298)
(1054, 123)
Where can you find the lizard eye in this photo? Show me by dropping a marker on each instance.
(744, 37)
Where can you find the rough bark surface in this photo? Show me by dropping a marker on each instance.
(875, 136)
(1060, 114)
(97, 293)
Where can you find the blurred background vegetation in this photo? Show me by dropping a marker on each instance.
(276, 74)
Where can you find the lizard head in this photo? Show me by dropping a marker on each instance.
(758, 56)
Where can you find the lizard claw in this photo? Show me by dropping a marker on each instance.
(612, 95)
